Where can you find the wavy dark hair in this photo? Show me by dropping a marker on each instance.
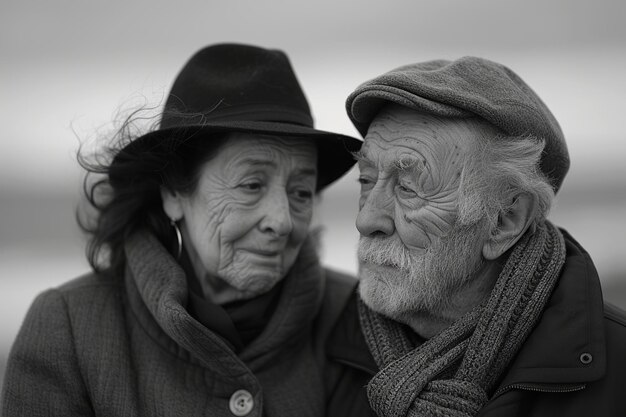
(124, 197)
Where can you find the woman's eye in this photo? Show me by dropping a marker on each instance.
(303, 194)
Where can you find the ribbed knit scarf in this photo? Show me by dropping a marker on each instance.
(453, 373)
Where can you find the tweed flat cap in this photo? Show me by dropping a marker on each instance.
(467, 87)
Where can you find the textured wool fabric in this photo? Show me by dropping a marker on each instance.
(454, 373)
(467, 87)
(128, 347)
(546, 378)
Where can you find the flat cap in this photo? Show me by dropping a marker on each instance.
(467, 87)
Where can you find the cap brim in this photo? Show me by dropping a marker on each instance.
(334, 150)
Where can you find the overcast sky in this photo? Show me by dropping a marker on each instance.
(68, 66)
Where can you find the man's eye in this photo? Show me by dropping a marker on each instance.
(251, 186)
(366, 184)
(405, 191)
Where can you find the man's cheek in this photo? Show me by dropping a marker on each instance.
(427, 224)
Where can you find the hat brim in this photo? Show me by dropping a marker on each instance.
(334, 150)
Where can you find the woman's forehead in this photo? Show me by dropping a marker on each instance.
(245, 150)
(283, 141)
(268, 145)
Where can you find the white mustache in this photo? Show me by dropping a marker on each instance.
(385, 251)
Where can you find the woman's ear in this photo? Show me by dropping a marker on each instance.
(172, 204)
(512, 225)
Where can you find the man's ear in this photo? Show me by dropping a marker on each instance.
(172, 204)
(512, 225)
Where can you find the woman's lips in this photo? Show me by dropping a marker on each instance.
(263, 252)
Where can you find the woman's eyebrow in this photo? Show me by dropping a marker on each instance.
(306, 172)
(256, 162)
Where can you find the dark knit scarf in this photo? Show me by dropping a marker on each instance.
(453, 373)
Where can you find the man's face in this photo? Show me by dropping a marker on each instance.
(413, 255)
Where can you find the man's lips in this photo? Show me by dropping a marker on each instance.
(387, 264)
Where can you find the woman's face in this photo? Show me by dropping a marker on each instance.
(247, 219)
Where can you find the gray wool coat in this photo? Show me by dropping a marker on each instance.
(128, 347)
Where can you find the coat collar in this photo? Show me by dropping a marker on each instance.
(571, 326)
(567, 346)
(157, 294)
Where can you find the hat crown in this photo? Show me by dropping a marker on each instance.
(228, 88)
(232, 82)
(467, 87)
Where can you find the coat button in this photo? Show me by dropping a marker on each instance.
(241, 403)
(586, 358)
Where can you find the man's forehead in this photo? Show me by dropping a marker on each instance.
(400, 130)
(399, 138)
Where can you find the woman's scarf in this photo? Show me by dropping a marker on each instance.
(453, 373)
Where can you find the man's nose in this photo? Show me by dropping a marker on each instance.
(277, 214)
(376, 214)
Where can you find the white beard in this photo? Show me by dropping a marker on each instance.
(396, 282)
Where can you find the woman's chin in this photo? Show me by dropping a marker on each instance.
(258, 283)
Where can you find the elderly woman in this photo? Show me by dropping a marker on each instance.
(206, 281)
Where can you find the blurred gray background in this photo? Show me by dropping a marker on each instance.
(67, 67)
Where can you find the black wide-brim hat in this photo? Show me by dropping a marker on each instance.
(241, 88)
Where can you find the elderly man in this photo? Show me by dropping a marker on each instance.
(471, 302)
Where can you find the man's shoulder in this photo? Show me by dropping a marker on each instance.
(615, 315)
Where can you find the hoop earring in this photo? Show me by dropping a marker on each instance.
(179, 239)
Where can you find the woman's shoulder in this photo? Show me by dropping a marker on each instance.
(87, 293)
(82, 311)
(65, 328)
(90, 281)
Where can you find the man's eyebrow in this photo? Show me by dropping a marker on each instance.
(404, 164)
(408, 164)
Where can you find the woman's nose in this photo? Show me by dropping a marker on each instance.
(277, 217)
(376, 215)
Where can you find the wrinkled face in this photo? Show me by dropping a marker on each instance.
(248, 217)
(412, 253)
